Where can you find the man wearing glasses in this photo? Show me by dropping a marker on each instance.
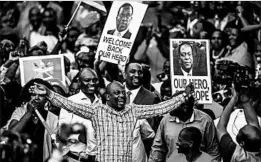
(123, 20)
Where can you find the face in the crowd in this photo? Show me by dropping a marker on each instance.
(233, 37)
(74, 88)
(216, 40)
(48, 18)
(221, 8)
(123, 18)
(88, 81)
(6, 49)
(197, 28)
(166, 67)
(85, 59)
(71, 39)
(183, 145)
(35, 18)
(258, 51)
(116, 96)
(39, 99)
(165, 93)
(37, 53)
(186, 57)
(134, 75)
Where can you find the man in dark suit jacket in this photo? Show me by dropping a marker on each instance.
(123, 20)
(188, 63)
(126, 35)
(139, 95)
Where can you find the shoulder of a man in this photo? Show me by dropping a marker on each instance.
(150, 96)
(227, 147)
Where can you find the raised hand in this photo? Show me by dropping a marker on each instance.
(189, 90)
(39, 89)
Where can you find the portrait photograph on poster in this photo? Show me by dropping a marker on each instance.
(190, 62)
(44, 67)
(120, 31)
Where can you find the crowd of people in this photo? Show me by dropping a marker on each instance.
(106, 112)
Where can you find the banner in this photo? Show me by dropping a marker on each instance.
(44, 67)
(190, 62)
(120, 31)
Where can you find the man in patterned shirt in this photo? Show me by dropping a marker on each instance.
(115, 121)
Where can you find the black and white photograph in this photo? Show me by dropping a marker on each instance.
(130, 81)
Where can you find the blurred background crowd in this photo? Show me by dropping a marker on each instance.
(31, 28)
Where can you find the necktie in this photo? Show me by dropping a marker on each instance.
(128, 97)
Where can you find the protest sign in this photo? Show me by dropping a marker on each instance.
(120, 31)
(190, 62)
(44, 67)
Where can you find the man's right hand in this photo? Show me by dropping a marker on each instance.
(189, 90)
(39, 89)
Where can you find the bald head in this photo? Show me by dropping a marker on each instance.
(87, 71)
(192, 134)
(113, 85)
(249, 137)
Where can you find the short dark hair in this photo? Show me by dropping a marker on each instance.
(126, 5)
(193, 134)
(184, 43)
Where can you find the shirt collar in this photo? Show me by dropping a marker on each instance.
(186, 73)
(177, 120)
(82, 96)
(122, 33)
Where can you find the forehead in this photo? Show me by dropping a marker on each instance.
(135, 66)
(185, 48)
(116, 87)
(125, 10)
(87, 74)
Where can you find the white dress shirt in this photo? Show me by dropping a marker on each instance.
(133, 93)
(70, 118)
(141, 131)
(119, 34)
(186, 73)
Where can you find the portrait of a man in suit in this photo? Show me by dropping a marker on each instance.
(123, 20)
(188, 62)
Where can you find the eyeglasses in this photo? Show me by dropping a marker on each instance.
(88, 80)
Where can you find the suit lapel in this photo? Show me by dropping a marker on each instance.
(139, 97)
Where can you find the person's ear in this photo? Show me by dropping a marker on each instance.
(107, 97)
(130, 18)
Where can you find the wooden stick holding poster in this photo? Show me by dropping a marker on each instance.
(190, 62)
(44, 67)
(120, 31)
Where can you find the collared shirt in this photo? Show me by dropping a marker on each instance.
(164, 145)
(69, 118)
(114, 129)
(134, 93)
(119, 34)
(141, 131)
(187, 73)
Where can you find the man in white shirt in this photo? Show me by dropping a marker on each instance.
(78, 148)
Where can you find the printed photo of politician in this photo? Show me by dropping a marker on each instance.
(190, 60)
(123, 20)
